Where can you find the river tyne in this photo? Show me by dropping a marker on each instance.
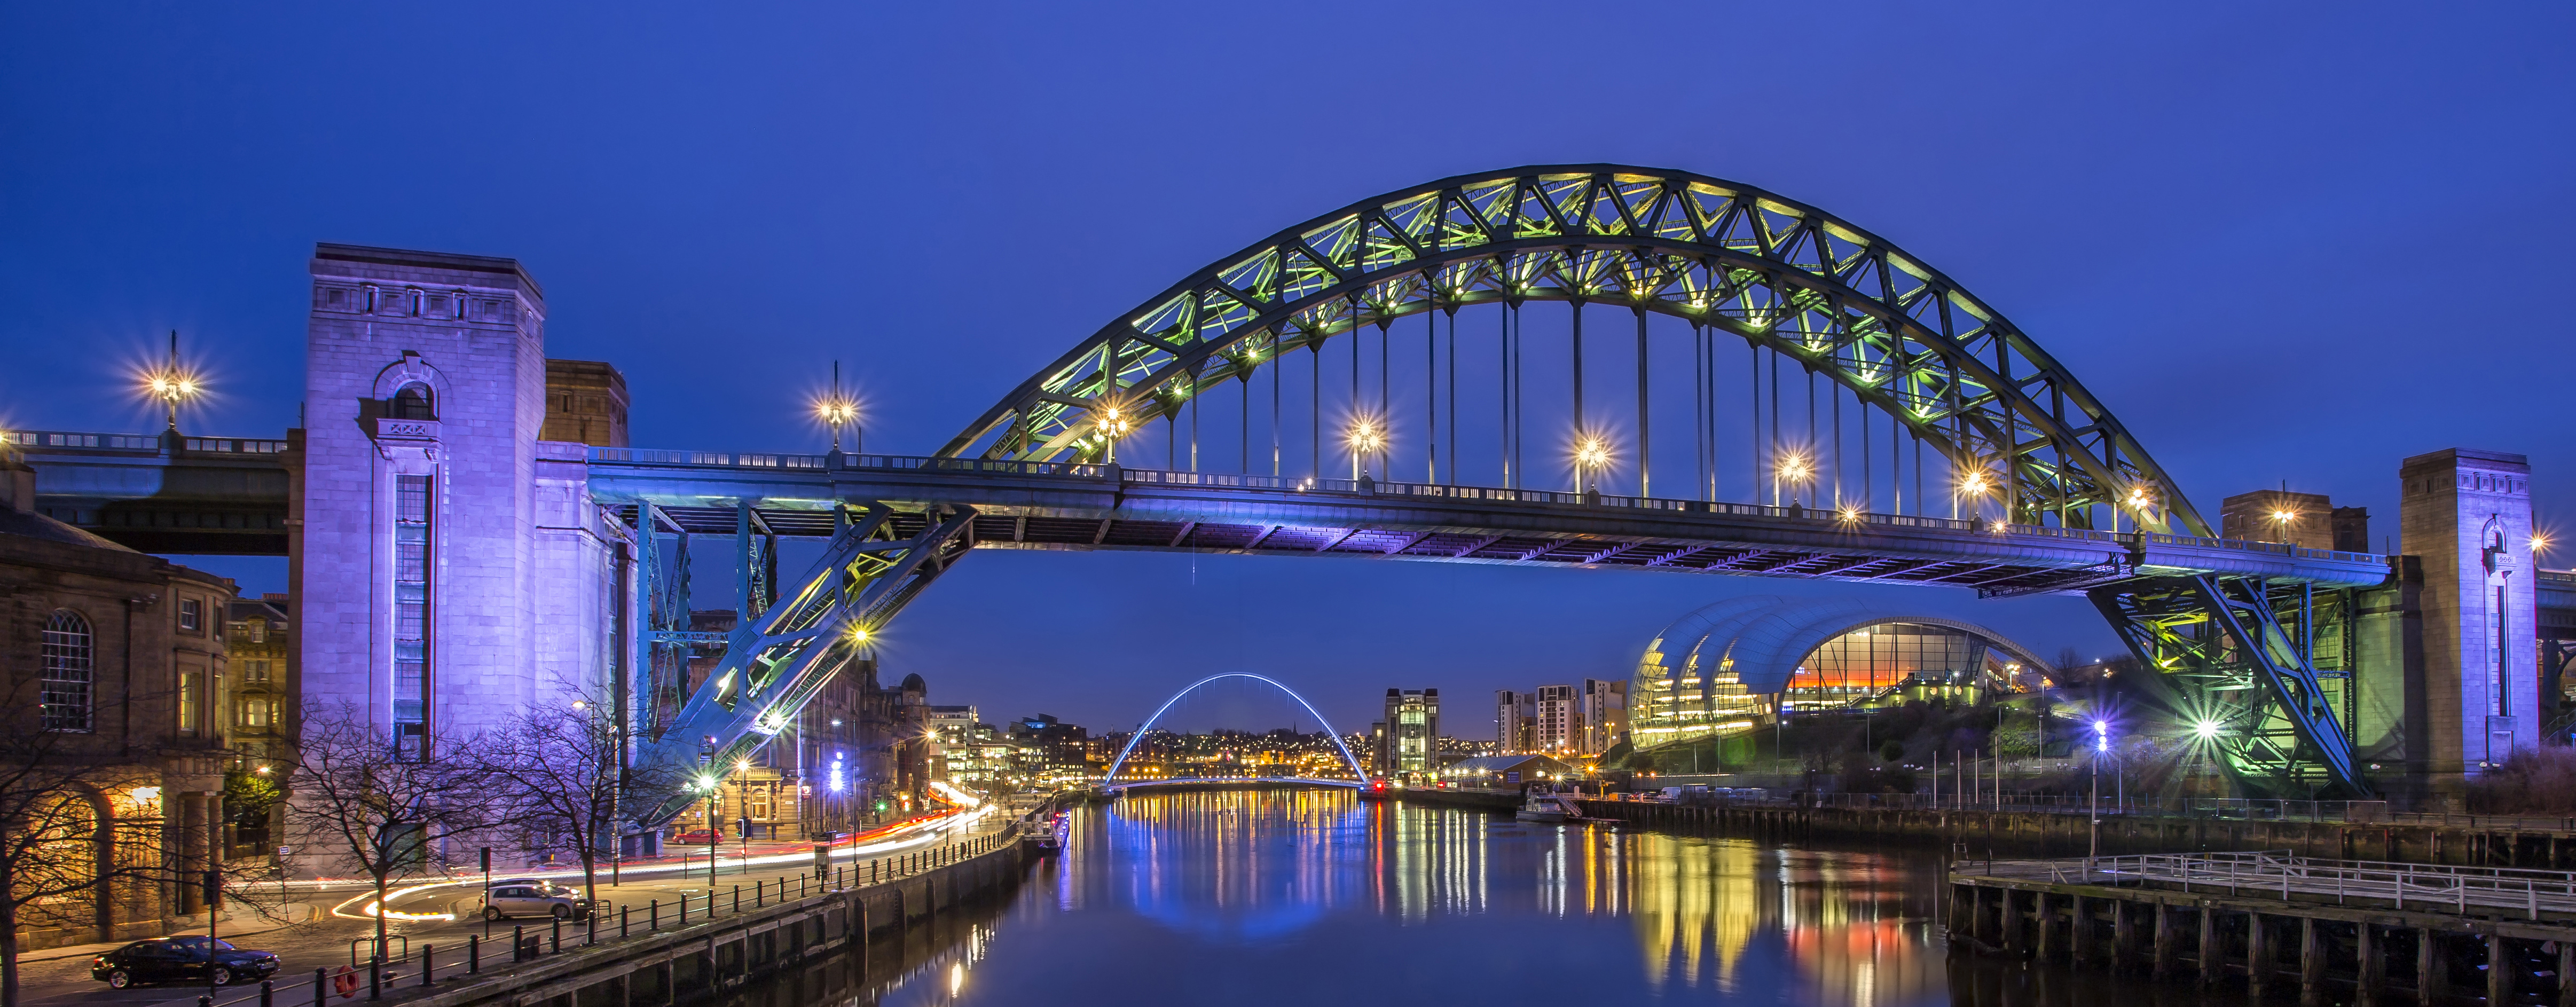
(1252, 898)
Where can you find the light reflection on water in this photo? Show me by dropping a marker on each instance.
(1299, 897)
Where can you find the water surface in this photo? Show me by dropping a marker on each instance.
(1252, 898)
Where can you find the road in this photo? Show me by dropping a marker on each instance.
(440, 913)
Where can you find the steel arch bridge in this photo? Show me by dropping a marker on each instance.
(1359, 773)
(2229, 626)
(1775, 272)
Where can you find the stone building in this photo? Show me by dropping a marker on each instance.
(115, 664)
(259, 637)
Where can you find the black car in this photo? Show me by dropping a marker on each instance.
(181, 959)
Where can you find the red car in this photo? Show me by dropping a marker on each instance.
(708, 837)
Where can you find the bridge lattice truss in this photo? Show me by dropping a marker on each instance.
(1781, 275)
(2228, 647)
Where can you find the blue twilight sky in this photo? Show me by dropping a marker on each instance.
(2284, 242)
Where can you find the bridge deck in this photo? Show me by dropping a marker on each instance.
(229, 495)
(1061, 506)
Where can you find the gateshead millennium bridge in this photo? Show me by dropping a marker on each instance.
(1949, 449)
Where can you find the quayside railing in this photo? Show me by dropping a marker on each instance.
(2418, 887)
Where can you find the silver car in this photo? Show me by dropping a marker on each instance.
(533, 899)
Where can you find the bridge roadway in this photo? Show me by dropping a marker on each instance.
(1050, 505)
(1229, 781)
(229, 496)
(224, 495)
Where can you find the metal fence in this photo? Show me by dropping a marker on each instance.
(2420, 887)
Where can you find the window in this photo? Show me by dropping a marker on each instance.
(411, 402)
(66, 689)
(192, 614)
(259, 631)
(411, 597)
(188, 702)
(254, 671)
(256, 712)
(761, 796)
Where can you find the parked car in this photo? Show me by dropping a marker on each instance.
(537, 899)
(181, 959)
(708, 837)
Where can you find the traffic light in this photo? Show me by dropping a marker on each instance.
(881, 806)
(214, 882)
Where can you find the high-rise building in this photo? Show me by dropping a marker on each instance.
(1558, 727)
(1604, 709)
(1515, 716)
(1412, 726)
(952, 736)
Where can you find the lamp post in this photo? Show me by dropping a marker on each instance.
(1972, 486)
(1793, 470)
(1591, 457)
(2101, 744)
(171, 383)
(837, 410)
(1365, 439)
(1114, 424)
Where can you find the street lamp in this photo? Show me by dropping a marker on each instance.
(171, 383)
(1973, 485)
(1366, 438)
(1114, 424)
(1793, 470)
(2281, 523)
(1591, 458)
(837, 410)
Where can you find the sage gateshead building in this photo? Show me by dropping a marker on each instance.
(1730, 666)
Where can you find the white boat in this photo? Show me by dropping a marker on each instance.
(1548, 808)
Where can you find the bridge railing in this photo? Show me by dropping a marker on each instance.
(842, 462)
(140, 443)
(1437, 491)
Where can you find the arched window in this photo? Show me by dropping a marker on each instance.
(67, 692)
(412, 402)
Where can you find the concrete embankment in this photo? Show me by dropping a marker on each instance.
(2457, 844)
(707, 957)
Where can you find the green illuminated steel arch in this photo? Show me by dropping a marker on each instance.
(1776, 272)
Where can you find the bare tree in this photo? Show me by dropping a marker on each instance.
(564, 778)
(379, 811)
(56, 839)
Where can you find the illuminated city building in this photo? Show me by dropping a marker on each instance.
(1558, 727)
(1515, 721)
(1728, 666)
(1412, 725)
(1603, 709)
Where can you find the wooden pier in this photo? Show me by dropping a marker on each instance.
(2371, 929)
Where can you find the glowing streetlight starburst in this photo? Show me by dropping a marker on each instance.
(171, 384)
(837, 409)
(1592, 453)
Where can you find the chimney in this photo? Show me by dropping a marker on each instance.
(17, 484)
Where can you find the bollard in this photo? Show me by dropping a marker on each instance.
(684, 906)
(558, 937)
(321, 988)
(653, 916)
(376, 974)
(759, 894)
(518, 944)
(267, 993)
(737, 900)
(428, 963)
(621, 920)
(473, 954)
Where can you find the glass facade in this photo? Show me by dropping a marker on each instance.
(1696, 685)
(1876, 662)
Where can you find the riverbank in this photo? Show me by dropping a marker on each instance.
(1984, 832)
